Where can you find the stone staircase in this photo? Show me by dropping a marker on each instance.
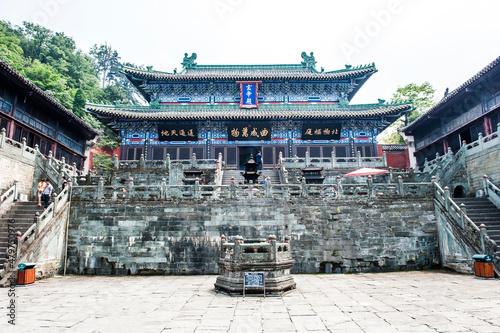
(23, 214)
(238, 178)
(482, 210)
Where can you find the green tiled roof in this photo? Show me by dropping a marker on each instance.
(265, 111)
(250, 72)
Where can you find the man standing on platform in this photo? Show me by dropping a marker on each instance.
(258, 160)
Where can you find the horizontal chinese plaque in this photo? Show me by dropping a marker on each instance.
(321, 131)
(177, 132)
(248, 131)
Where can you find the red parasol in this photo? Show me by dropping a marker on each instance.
(365, 172)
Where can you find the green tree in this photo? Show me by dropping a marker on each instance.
(102, 162)
(79, 103)
(422, 97)
(10, 51)
(109, 140)
(106, 62)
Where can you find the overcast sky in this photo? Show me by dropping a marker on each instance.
(443, 42)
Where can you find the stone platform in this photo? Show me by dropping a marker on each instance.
(424, 301)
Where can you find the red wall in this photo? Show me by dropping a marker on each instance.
(100, 150)
(396, 159)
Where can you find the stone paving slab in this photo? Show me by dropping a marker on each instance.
(428, 301)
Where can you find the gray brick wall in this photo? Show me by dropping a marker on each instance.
(486, 162)
(15, 167)
(183, 236)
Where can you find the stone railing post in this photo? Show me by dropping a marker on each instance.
(463, 210)
(36, 221)
(370, 187)
(193, 161)
(163, 188)
(440, 172)
(267, 188)
(115, 162)
(358, 156)
(16, 189)
(438, 160)
(219, 158)
(60, 169)
(384, 159)
(56, 200)
(3, 134)
(485, 185)
(49, 158)
(308, 159)
(447, 198)
(197, 188)
(340, 190)
(480, 140)
(74, 174)
(222, 243)
(130, 185)
(401, 188)
(482, 234)
(142, 163)
(167, 161)
(450, 153)
(23, 146)
(232, 189)
(100, 188)
(274, 248)
(238, 241)
(303, 187)
(19, 244)
(280, 158)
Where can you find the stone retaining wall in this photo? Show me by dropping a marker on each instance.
(13, 166)
(183, 236)
(483, 163)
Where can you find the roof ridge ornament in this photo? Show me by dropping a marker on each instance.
(309, 60)
(188, 62)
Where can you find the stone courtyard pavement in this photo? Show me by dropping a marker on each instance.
(428, 301)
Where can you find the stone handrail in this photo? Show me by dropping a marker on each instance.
(14, 146)
(491, 190)
(164, 191)
(39, 223)
(8, 197)
(41, 220)
(54, 169)
(445, 167)
(333, 161)
(142, 163)
(476, 237)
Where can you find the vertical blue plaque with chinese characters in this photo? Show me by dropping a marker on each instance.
(249, 98)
